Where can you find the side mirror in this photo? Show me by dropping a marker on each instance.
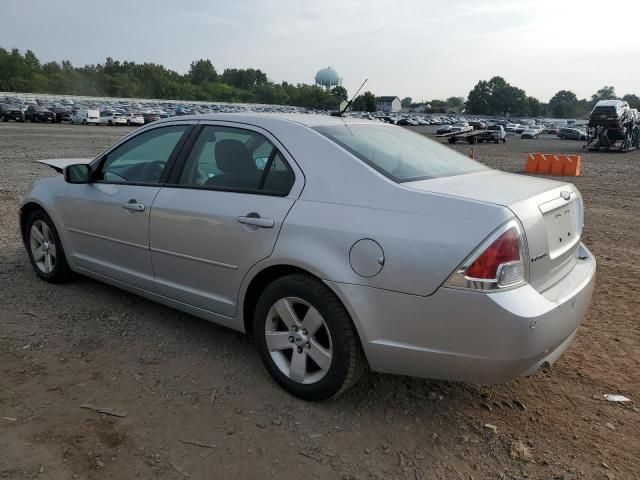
(80, 173)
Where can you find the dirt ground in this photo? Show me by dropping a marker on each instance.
(196, 402)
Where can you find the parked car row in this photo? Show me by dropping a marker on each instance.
(137, 113)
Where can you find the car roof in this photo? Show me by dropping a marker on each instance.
(610, 103)
(307, 119)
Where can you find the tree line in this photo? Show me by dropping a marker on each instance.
(497, 97)
(25, 73)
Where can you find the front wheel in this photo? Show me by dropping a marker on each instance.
(45, 248)
(306, 338)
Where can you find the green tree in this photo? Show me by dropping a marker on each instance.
(406, 102)
(244, 79)
(564, 104)
(369, 102)
(31, 60)
(535, 107)
(497, 97)
(479, 101)
(202, 71)
(605, 93)
(633, 100)
(24, 73)
(358, 104)
(340, 92)
(455, 103)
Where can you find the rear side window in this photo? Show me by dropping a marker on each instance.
(235, 159)
(399, 154)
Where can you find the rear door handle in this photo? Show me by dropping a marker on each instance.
(134, 206)
(256, 221)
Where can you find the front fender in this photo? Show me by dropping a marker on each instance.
(45, 193)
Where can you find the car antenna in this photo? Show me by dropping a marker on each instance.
(341, 112)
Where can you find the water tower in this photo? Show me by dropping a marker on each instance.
(328, 78)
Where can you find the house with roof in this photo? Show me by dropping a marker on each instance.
(388, 104)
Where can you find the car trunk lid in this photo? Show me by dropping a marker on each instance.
(551, 213)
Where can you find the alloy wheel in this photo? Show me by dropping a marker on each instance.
(298, 340)
(43, 247)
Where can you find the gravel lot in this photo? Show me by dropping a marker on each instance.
(181, 380)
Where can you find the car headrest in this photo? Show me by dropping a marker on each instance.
(232, 156)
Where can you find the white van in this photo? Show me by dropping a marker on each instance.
(86, 117)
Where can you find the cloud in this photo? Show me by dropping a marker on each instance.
(420, 48)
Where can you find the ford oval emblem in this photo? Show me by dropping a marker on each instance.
(564, 194)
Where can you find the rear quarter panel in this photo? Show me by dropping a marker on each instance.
(424, 236)
(420, 249)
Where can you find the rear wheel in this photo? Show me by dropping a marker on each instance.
(306, 338)
(45, 248)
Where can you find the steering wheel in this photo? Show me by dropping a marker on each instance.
(151, 171)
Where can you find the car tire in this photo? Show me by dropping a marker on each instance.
(110, 123)
(45, 248)
(84, 122)
(297, 319)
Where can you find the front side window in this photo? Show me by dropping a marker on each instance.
(399, 154)
(143, 158)
(236, 159)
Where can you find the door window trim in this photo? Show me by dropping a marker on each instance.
(181, 161)
(175, 153)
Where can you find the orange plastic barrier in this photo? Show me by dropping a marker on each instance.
(550, 164)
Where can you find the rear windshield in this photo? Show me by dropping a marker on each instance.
(399, 154)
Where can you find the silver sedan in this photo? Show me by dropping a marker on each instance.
(338, 244)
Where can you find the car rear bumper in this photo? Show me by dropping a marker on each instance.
(470, 336)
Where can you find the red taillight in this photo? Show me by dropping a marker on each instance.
(499, 262)
(505, 249)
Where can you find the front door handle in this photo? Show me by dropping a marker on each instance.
(133, 205)
(256, 220)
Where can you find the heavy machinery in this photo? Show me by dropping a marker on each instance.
(613, 126)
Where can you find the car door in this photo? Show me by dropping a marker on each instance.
(107, 220)
(220, 215)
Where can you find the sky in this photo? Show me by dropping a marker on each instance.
(423, 49)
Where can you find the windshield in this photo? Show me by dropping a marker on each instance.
(399, 154)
